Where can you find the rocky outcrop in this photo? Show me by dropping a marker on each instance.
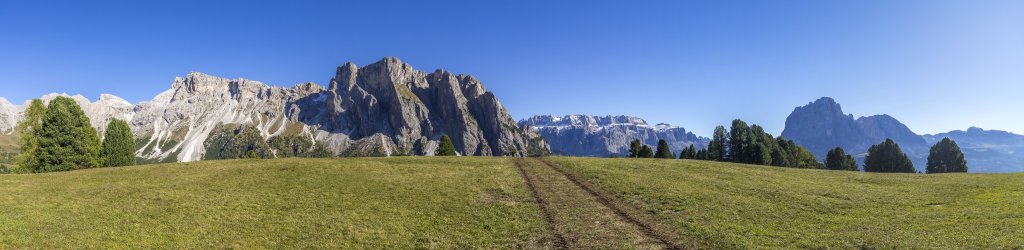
(9, 115)
(584, 135)
(386, 108)
(821, 126)
(989, 151)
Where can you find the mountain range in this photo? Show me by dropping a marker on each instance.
(821, 125)
(603, 136)
(383, 109)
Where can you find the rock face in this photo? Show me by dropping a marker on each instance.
(584, 135)
(821, 126)
(9, 115)
(989, 151)
(386, 108)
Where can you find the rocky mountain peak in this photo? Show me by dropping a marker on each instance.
(821, 125)
(586, 135)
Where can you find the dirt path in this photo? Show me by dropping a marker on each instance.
(581, 217)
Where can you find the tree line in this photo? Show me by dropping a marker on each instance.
(887, 157)
(750, 144)
(59, 137)
(742, 143)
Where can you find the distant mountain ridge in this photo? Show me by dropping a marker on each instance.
(383, 109)
(602, 136)
(987, 150)
(821, 125)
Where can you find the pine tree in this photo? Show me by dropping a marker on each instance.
(837, 159)
(946, 157)
(887, 157)
(663, 151)
(118, 145)
(645, 152)
(691, 152)
(634, 148)
(761, 146)
(740, 144)
(67, 140)
(28, 135)
(702, 154)
(445, 147)
(247, 143)
(717, 147)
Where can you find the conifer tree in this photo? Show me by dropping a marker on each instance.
(28, 135)
(702, 154)
(837, 159)
(445, 147)
(717, 147)
(67, 140)
(645, 152)
(663, 151)
(634, 148)
(946, 157)
(887, 157)
(118, 145)
(691, 152)
(740, 146)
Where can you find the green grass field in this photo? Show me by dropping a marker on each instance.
(484, 202)
(724, 205)
(402, 202)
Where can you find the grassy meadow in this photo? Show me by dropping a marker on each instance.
(401, 202)
(725, 205)
(484, 202)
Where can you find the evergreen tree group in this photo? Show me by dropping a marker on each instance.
(946, 157)
(691, 153)
(445, 147)
(752, 145)
(887, 157)
(59, 137)
(837, 159)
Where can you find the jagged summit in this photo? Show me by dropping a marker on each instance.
(821, 126)
(385, 108)
(610, 135)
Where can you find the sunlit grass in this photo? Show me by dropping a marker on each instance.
(724, 205)
(404, 202)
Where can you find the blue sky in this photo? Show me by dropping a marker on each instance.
(935, 65)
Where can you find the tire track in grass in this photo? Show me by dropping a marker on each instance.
(578, 218)
(558, 240)
(624, 211)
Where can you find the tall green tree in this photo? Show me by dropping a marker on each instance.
(445, 147)
(118, 145)
(946, 157)
(663, 151)
(740, 144)
(702, 154)
(887, 157)
(645, 152)
(837, 159)
(717, 147)
(67, 140)
(761, 146)
(28, 135)
(634, 148)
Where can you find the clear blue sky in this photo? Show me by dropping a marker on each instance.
(935, 65)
